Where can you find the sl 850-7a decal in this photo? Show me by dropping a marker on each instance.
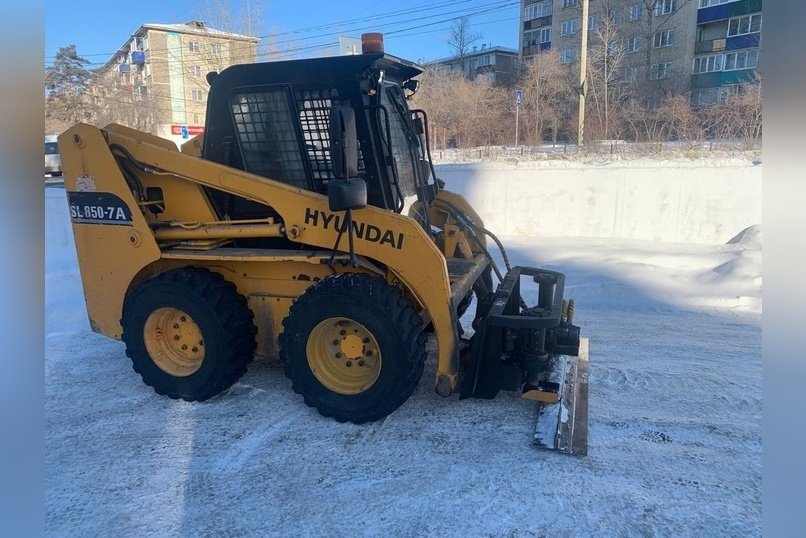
(98, 208)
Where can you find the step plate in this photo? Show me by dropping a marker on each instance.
(563, 426)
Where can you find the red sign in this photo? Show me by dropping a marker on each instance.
(193, 130)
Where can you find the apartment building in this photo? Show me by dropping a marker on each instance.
(156, 81)
(701, 48)
(727, 49)
(497, 64)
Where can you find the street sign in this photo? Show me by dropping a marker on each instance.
(518, 97)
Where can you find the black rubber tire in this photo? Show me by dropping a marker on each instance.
(387, 314)
(222, 315)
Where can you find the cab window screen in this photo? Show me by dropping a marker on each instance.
(265, 125)
(402, 138)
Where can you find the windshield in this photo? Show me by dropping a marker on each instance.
(404, 141)
(51, 148)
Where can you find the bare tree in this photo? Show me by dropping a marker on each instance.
(605, 74)
(461, 38)
(547, 92)
(463, 112)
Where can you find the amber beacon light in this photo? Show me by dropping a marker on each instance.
(371, 42)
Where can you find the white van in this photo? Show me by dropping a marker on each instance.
(53, 161)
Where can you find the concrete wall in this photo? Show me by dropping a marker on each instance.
(688, 201)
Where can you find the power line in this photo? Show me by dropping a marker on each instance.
(468, 11)
(437, 5)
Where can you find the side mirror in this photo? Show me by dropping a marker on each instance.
(344, 194)
(343, 142)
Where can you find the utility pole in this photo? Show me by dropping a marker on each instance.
(583, 83)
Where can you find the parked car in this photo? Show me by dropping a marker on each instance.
(53, 161)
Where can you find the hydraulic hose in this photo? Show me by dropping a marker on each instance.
(469, 225)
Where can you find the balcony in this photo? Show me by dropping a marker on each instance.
(725, 11)
(537, 23)
(711, 45)
(124, 68)
(722, 78)
(537, 47)
(746, 41)
(138, 57)
(713, 13)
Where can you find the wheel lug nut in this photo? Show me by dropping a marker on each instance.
(349, 363)
(368, 353)
(184, 346)
(365, 340)
(338, 355)
(176, 337)
(183, 319)
(194, 349)
(342, 332)
(176, 325)
(361, 363)
(335, 342)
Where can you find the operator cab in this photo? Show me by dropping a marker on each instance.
(272, 119)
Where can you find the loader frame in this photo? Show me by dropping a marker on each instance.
(399, 250)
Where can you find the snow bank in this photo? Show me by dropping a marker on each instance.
(704, 201)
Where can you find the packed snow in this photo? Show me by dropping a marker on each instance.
(675, 413)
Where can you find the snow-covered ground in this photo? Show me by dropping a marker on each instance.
(674, 441)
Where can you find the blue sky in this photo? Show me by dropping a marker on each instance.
(417, 30)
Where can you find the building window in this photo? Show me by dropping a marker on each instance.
(615, 16)
(663, 39)
(664, 7)
(712, 96)
(748, 24)
(196, 69)
(567, 56)
(660, 71)
(636, 12)
(540, 35)
(632, 44)
(631, 74)
(140, 43)
(141, 92)
(592, 23)
(568, 27)
(709, 3)
(195, 118)
(708, 64)
(569, 3)
(746, 59)
(216, 48)
(536, 11)
(197, 95)
(194, 46)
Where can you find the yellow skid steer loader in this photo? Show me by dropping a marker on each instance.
(307, 224)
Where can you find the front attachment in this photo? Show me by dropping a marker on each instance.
(534, 350)
(564, 425)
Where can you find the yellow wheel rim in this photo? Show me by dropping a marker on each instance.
(174, 341)
(343, 355)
